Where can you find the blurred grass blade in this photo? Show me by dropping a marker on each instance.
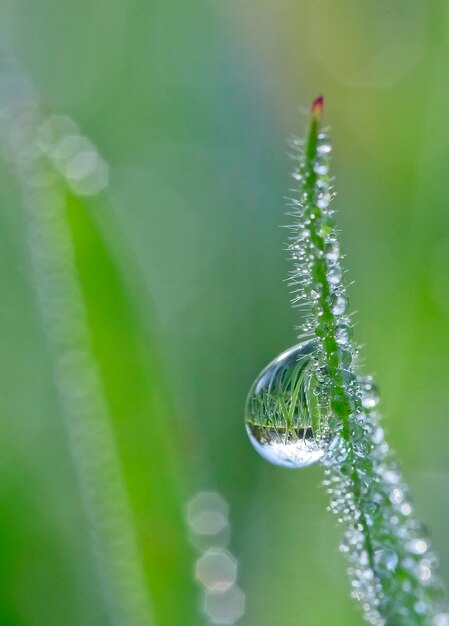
(117, 420)
(78, 381)
(142, 418)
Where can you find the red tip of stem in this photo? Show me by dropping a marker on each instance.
(317, 107)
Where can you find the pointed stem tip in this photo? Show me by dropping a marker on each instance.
(317, 108)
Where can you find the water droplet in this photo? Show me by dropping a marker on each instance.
(332, 250)
(378, 435)
(420, 607)
(386, 559)
(334, 275)
(323, 183)
(342, 334)
(324, 148)
(396, 495)
(391, 476)
(286, 421)
(371, 508)
(304, 233)
(425, 570)
(321, 166)
(370, 394)
(338, 303)
(357, 432)
(323, 200)
(369, 401)
(417, 546)
(345, 357)
(405, 508)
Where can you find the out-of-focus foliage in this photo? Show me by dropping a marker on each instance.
(189, 103)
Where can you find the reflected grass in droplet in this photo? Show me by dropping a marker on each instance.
(286, 412)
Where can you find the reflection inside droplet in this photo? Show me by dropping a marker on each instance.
(287, 412)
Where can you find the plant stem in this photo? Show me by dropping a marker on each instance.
(393, 569)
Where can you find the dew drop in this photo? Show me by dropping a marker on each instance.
(334, 275)
(386, 559)
(405, 508)
(332, 250)
(345, 357)
(321, 166)
(323, 137)
(425, 570)
(338, 304)
(342, 334)
(286, 420)
(370, 393)
(323, 183)
(378, 437)
(324, 148)
(417, 546)
(323, 200)
(304, 233)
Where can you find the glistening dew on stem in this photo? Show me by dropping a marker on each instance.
(313, 404)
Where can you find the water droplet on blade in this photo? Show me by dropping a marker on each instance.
(332, 250)
(321, 166)
(287, 412)
(334, 274)
(324, 148)
(338, 303)
(370, 394)
(343, 334)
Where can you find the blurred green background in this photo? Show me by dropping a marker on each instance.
(181, 264)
